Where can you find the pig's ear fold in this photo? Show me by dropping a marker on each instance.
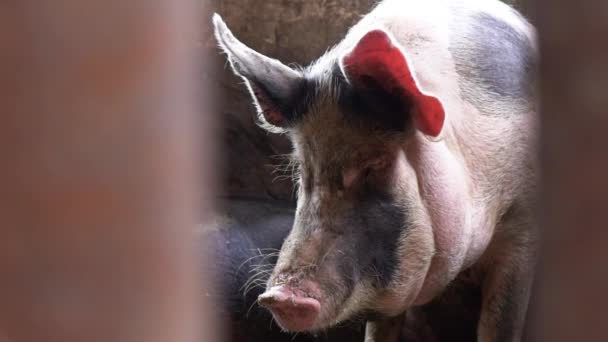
(376, 62)
(273, 85)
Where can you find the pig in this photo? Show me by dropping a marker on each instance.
(415, 141)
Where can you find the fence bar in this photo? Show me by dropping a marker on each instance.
(574, 276)
(97, 175)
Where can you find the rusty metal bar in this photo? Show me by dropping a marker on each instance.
(97, 175)
(574, 276)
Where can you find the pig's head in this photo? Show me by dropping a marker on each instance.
(362, 243)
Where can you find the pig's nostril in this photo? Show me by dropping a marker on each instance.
(266, 301)
(270, 299)
(292, 311)
(275, 296)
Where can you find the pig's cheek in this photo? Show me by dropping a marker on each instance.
(415, 249)
(444, 193)
(415, 256)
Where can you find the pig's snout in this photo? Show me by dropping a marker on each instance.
(291, 308)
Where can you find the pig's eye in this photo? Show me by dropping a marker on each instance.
(353, 176)
(376, 164)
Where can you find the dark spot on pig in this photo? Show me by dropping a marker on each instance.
(349, 273)
(498, 58)
(372, 105)
(289, 103)
(368, 106)
(381, 222)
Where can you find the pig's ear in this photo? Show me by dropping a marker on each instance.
(376, 62)
(273, 85)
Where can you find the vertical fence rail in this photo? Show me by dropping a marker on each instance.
(97, 176)
(574, 273)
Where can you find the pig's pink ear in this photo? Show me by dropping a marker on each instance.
(375, 60)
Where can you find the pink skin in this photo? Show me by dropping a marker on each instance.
(291, 308)
(443, 188)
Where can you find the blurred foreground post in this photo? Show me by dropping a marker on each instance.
(573, 286)
(97, 177)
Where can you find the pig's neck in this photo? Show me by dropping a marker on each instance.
(444, 186)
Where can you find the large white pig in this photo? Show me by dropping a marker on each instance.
(415, 144)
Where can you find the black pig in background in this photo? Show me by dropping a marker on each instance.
(244, 245)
